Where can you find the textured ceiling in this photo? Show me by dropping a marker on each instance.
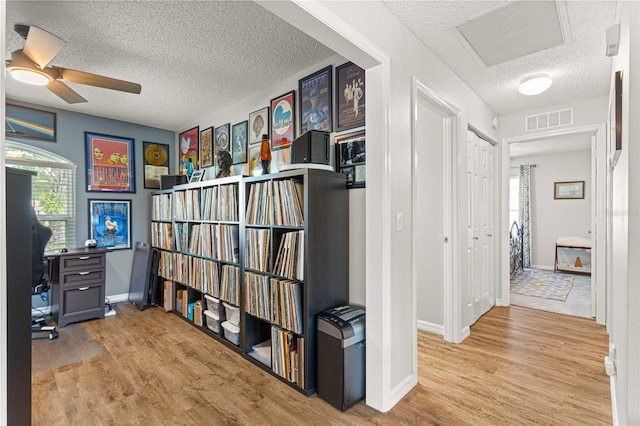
(579, 68)
(191, 58)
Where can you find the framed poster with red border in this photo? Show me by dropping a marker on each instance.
(189, 143)
(110, 163)
(283, 120)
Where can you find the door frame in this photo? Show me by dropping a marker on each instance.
(598, 226)
(450, 122)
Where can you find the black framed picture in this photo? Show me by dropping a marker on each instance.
(221, 139)
(110, 163)
(283, 120)
(315, 101)
(156, 163)
(351, 158)
(350, 97)
(259, 121)
(206, 147)
(239, 145)
(110, 223)
(30, 123)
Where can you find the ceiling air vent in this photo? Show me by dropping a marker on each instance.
(548, 120)
(515, 30)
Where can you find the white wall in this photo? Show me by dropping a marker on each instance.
(624, 288)
(389, 296)
(557, 218)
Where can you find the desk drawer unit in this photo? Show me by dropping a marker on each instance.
(81, 303)
(75, 279)
(82, 262)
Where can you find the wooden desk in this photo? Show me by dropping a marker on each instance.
(77, 291)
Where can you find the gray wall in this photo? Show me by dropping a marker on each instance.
(70, 144)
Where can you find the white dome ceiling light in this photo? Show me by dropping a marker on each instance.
(535, 84)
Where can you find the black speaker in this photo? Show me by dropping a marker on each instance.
(311, 147)
(169, 181)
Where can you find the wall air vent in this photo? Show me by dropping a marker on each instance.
(548, 120)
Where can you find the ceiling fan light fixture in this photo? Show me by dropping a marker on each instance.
(535, 84)
(30, 76)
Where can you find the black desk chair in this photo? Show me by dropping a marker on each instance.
(40, 285)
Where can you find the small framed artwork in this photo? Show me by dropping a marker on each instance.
(283, 120)
(350, 97)
(197, 176)
(30, 123)
(189, 144)
(239, 146)
(156, 163)
(110, 223)
(110, 163)
(568, 190)
(259, 121)
(221, 139)
(206, 147)
(315, 101)
(351, 158)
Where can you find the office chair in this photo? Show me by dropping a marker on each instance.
(40, 235)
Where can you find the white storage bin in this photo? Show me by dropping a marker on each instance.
(232, 313)
(212, 320)
(214, 305)
(231, 332)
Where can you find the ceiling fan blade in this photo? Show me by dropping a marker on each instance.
(41, 46)
(65, 92)
(81, 77)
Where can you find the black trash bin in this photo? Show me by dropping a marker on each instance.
(341, 356)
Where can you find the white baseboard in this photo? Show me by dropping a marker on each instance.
(117, 298)
(614, 401)
(545, 267)
(464, 333)
(402, 390)
(431, 327)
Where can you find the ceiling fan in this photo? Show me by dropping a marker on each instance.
(29, 65)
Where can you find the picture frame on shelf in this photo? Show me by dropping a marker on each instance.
(189, 143)
(351, 157)
(30, 123)
(110, 223)
(315, 93)
(350, 97)
(156, 163)
(197, 176)
(568, 190)
(206, 147)
(259, 121)
(283, 120)
(110, 163)
(239, 145)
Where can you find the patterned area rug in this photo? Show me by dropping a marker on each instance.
(544, 284)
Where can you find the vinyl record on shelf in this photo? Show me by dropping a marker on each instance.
(155, 155)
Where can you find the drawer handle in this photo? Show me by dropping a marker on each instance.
(83, 288)
(84, 257)
(84, 273)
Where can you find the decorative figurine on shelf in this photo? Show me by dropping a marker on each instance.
(189, 168)
(224, 164)
(265, 154)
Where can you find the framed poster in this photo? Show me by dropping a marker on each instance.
(110, 223)
(259, 121)
(351, 158)
(350, 97)
(221, 139)
(110, 163)
(30, 123)
(239, 147)
(283, 120)
(189, 143)
(206, 147)
(568, 190)
(156, 163)
(315, 101)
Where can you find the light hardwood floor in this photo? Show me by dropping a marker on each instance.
(519, 366)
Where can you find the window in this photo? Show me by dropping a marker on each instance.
(514, 199)
(53, 190)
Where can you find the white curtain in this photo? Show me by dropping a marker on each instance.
(524, 214)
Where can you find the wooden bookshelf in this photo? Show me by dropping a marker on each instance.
(289, 262)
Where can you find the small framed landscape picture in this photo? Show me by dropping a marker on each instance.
(315, 101)
(206, 147)
(351, 158)
(259, 121)
(568, 190)
(239, 145)
(110, 223)
(30, 123)
(189, 143)
(283, 120)
(350, 97)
